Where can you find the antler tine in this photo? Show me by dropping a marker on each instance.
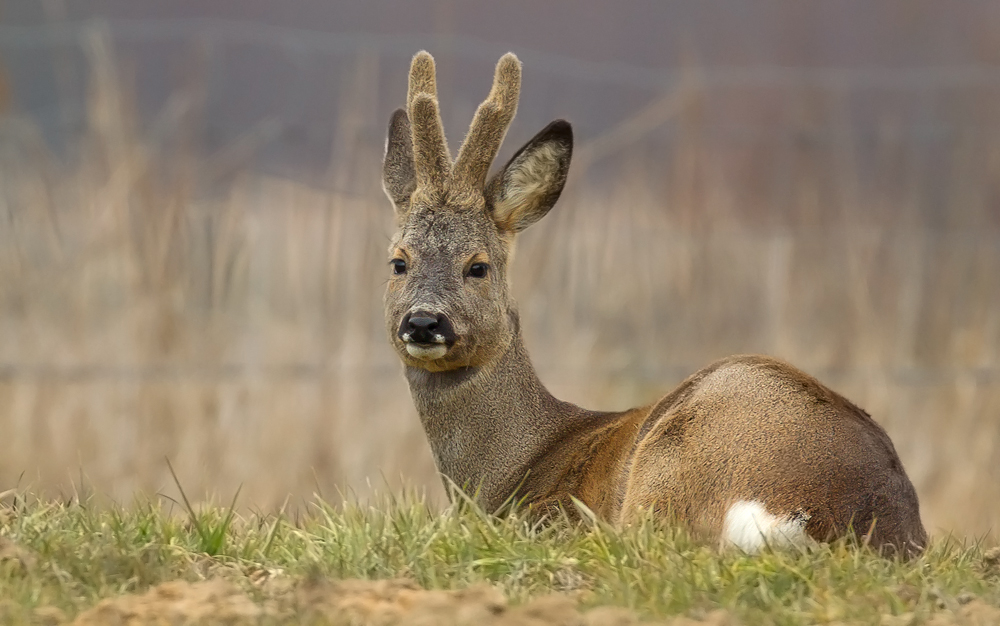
(432, 161)
(489, 126)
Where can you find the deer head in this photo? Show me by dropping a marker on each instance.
(447, 303)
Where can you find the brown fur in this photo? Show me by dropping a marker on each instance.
(747, 428)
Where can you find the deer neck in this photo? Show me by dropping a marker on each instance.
(488, 426)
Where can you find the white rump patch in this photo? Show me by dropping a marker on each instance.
(750, 527)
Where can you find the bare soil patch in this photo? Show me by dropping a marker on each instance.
(358, 603)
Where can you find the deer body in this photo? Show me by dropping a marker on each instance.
(749, 450)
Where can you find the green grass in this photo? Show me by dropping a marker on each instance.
(70, 555)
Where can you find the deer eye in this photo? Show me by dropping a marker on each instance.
(478, 270)
(398, 266)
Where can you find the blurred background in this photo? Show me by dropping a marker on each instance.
(193, 234)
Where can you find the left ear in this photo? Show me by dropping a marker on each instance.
(526, 188)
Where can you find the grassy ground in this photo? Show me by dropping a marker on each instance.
(58, 560)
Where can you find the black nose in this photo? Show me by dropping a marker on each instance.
(422, 325)
(425, 327)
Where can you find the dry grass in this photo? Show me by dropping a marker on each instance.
(160, 302)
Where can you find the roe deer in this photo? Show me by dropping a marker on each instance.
(749, 450)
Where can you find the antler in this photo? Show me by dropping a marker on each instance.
(432, 161)
(489, 126)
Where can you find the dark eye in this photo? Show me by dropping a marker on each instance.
(398, 266)
(478, 270)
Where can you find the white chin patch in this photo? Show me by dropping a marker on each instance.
(426, 352)
(750, 527)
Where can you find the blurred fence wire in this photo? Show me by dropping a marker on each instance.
(292, 41)
(220, 44)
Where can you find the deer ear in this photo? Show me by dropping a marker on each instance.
(398, 172)
(526, 188)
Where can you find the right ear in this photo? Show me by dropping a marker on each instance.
(398, 173)
(526, 188)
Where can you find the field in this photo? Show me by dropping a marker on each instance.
(165, 303)
(157, 562)
(160, 300)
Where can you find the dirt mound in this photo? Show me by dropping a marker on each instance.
(975, 613)
(11, 552)
(177, 602)
(399, 602)
(991, 560)
(355, 603)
